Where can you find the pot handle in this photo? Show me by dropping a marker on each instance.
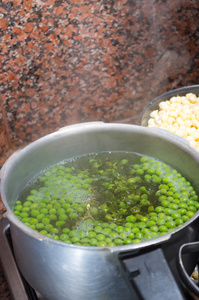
(151, 277)
(189, 283)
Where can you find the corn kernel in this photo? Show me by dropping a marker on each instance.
(191, 97)
(179, 115)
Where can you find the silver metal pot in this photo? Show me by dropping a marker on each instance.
(71, 272)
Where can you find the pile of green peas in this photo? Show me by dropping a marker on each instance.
(107, 199)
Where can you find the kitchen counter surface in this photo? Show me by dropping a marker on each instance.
(64, 62)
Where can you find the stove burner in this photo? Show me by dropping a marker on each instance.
(18, 286)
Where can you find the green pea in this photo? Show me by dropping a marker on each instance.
(143, 159)
(100, 236)
(65, 230)
(136, 241)
(106, 231)
(73, 216)
(23, 214)
(139, 235)
(131, 219)
(25, 209)
(191, 208)
(148, 236)
(168, 218)
(80, 210)
(151, 223)
(139, 171)
(52, 217)
(42, 205)
(155, 178)
(190, 214)
(98, 229)
(44, 211)
(182, 211)
(75, 239)
(123, 235)
(147, 177)
(102, 244)
(93, 242)
(52, 211)
(163, 228)
(176, 195)
(170, 224)
(118, 241)
(48, 227)
(168, 211)
(128, 241)
(179, 222)
(44, 232)
(112, 244)
(154, 228)
(85, 241)
(30, 198)
(176, 215)
(55, 237)
(165, 203)
(66, 205)
(91, 234)
(162, 198)
(159, 209)
(120, 229)
(40, 217)
(141, 225)
(18, 207)
(60, 211)
(70, 210)
(173, 189)
(138, 216)
(39, 226)
(161, 221)
(158, 172)
(27, 203)
(26, 221)
(45, 221)
(60, 224)
(129, 225)
(150, 208)
(64, 237)
(17, 213)
(63, 217)
(145, 230)
(113, 235)
(151, 171)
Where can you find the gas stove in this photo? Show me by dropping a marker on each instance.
(19, 288)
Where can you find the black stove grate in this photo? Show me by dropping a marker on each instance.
(18, 287)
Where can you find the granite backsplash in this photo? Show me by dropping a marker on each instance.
(65, 62)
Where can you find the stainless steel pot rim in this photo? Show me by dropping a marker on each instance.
(98, 126)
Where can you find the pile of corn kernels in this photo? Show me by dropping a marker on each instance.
(179, 115)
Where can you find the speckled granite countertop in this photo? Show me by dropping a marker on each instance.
(64, 62)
